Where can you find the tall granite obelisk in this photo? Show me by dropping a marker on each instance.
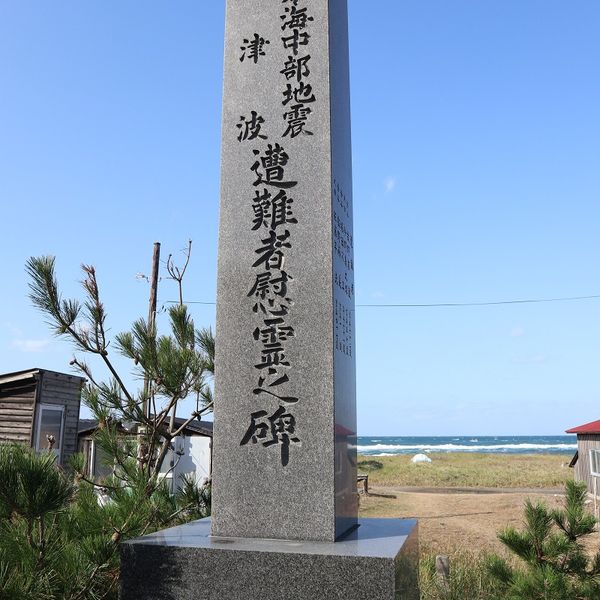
(284, 516)
(285, 408)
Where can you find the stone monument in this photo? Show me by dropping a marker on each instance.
(285, 506)
(285, 420)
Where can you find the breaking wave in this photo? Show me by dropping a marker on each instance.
(518, 448)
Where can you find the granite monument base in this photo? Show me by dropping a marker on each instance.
(376, 561)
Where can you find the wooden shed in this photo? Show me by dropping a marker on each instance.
(38, 403)
(588, 438)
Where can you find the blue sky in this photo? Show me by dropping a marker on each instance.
(476, 178)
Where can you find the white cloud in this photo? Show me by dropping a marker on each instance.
(378, 295)
(389, 184)
(30, 346)
(517, 331)
(20, 342)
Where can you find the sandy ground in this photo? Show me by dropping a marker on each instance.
(450, 521)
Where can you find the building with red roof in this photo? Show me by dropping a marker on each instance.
(588, 438)
(593, 427)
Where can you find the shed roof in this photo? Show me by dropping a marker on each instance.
(30, 374)
(87, 426)
(593, 427)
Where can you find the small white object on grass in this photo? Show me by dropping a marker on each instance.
(420, 458)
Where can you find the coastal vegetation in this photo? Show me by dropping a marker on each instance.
(547, 558)
(59, 537)
(60, 531)
(553, 561)
(470, 578)
(452, 470)
(57, 540)
(168, 369)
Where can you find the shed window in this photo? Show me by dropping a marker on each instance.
(50, 423)
(102, 465)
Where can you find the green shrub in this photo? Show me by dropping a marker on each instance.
(57, 542)
(554, 562)
(48, 550)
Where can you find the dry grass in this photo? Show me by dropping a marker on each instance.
(450, 522)
(470, 578)
(469, 470)
(463, 525)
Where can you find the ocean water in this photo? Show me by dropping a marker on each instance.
(538, 444)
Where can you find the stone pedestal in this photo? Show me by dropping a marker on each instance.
(376, 561)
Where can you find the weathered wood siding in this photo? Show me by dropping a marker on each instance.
(17, 403)
(585, 442)
(62, 390)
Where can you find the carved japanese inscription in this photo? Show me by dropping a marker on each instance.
(284, 377)
(271, 290)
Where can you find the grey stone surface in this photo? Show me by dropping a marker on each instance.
(284, 462)
(376, 561)
(296, 477)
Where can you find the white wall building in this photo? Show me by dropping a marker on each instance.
(191, 453)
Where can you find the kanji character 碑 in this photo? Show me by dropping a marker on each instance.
(281, 427)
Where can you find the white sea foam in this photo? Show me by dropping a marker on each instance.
(462, 448)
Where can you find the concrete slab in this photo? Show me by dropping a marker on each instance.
(376, 561)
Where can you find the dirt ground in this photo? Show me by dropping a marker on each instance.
(450, 521)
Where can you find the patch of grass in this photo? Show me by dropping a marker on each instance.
(469, 578)
(471, 470)
(369, 465)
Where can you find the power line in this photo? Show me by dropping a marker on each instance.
(190, 302)
(496, 303)
(449, 304)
